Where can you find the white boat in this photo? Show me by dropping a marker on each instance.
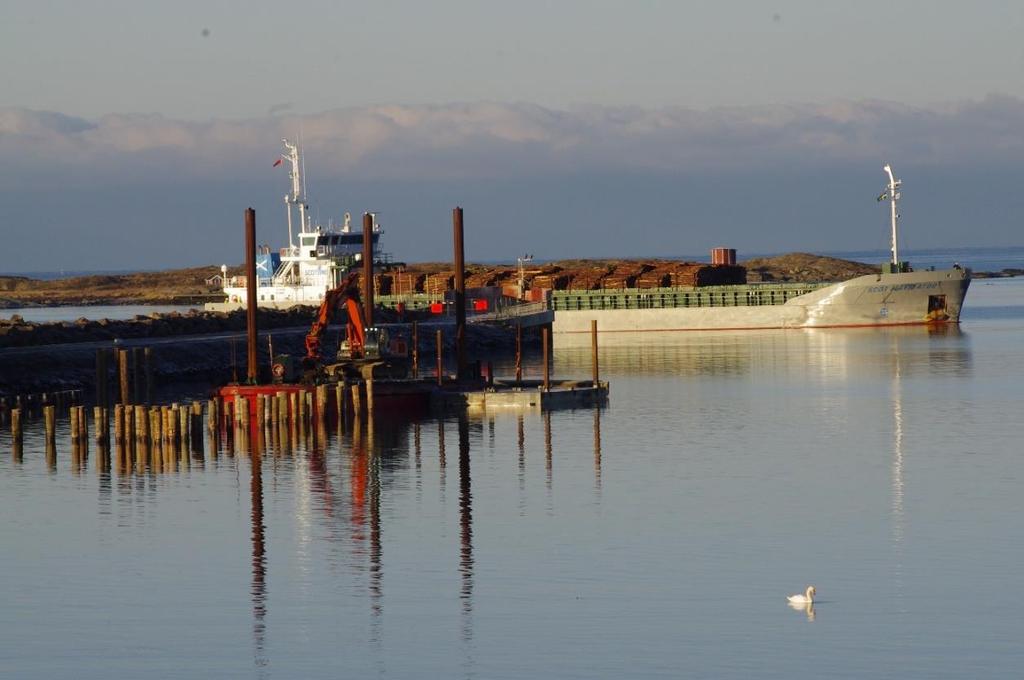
(316, 259)
(896, 295)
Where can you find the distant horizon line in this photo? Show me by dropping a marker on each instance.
(843, 254)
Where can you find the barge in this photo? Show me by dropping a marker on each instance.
(896, 295)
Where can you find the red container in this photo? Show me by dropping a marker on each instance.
(479, 305)
(725, 256)
(436, 308)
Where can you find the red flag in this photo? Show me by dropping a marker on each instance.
(277, 163)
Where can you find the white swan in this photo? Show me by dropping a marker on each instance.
(806, 598)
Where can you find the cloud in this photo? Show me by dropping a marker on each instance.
(508, 140)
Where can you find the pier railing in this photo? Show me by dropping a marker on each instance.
(751, 295)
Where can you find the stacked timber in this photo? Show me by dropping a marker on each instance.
(696, 274)
(625, 274)
(659, 277)
(488, 277)
(439, 284)
(552, 281)
(588, 278)
(407, 283)
(382, 284)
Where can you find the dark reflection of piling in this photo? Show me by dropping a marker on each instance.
(417, 457)
(465, 527)
(258, 591)
(547, 447)
(597, 448)
(105, 480)
(51, 456)
(441, 458)
(376, 570)
(521, 443)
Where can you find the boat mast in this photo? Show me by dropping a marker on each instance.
(297, 196)
(892, 191)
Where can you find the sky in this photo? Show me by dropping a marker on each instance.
(134, 134)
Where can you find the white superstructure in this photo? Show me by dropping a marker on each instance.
(315, 260)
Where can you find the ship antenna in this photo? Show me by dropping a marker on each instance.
(893, 194)
(303, 163)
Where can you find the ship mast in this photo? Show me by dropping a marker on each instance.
(893, 194)
(297, 196)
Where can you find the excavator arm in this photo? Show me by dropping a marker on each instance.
(345, 294)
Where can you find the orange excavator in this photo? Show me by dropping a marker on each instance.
(364, 352)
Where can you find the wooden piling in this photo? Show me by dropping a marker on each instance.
(321, 403)
(261, 417)
(142, 423)
(300, 400)
(122, 363)
(99, 424)
(357, 405)
(83, 423)
(156, 432)
(119, 423)
(595, 376)
(281, 409)
(369, 397)
(16, 433)
(72, 424)
(183, 424)
(211, 415)
(50, 422)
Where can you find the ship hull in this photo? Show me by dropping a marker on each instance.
(927, 297)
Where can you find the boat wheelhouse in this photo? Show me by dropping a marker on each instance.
(315, 260)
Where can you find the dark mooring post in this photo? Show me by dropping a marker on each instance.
(367, 290)
(460, 296)
(519, 353)
(440, 358)
(547, 367)
(250, 296)
(593, 352)
(415, 350)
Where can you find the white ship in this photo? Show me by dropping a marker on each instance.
(897, 295)
(316, 259)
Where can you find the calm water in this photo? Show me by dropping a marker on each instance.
(43, 314)
(657, 537)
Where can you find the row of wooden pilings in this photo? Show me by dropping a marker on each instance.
(161, 437)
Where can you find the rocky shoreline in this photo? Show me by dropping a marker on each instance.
(197, 285)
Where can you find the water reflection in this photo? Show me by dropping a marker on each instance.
(597, 449)
(897, 473)
(806, 608)
(258, 589)
(830, 353)
(465, 529)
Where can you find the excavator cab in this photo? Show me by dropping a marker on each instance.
(364, 352)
